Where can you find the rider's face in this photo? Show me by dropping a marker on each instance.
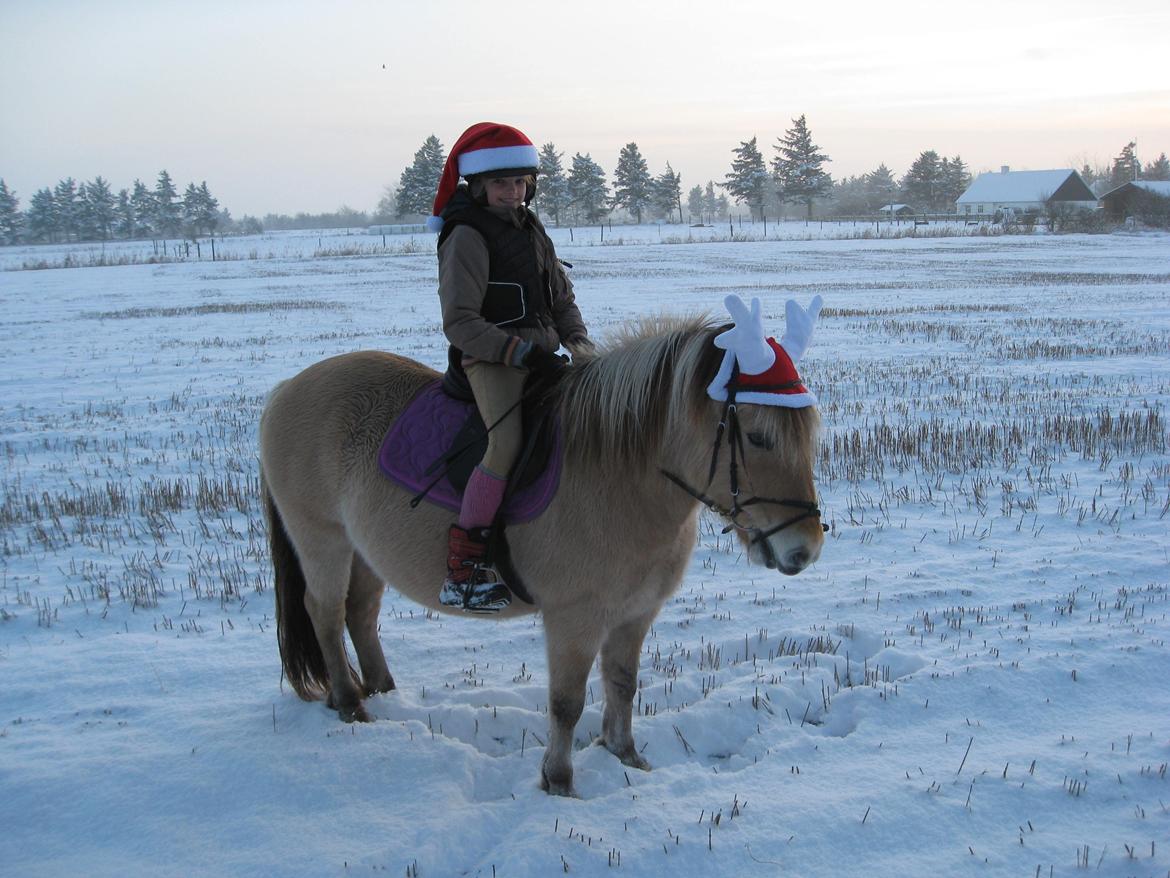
(505, 191)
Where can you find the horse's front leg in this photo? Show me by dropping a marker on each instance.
(619, 670)
(571, 643)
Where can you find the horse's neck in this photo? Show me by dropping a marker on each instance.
(628, 497)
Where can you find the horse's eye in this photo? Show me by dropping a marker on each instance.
(761, 441)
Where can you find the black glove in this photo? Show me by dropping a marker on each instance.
(541, 361)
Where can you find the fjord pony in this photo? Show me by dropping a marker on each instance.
(599, 562)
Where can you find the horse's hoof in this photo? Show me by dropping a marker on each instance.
(357, 714)
(635, 760)
(351, 713)
(629, 757)
(557, 788)
(380, 687)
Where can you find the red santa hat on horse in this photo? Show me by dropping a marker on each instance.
(761, 370)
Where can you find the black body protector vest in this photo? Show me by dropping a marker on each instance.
(519, 292)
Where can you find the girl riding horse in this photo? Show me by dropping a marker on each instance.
(507, 307)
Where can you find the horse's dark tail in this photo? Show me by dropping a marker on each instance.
(300, 653)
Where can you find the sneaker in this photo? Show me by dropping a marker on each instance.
(472, 584)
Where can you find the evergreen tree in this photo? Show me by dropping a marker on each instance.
(955, 180)
(553, 190)
(66, 209)
(923, 182)
(419, 182)
(209, 212)
(191, 211)
(631, 182)
(666, 194)
(797, 168)
(1157, 170)
(124, 215)
(715, 205)
(98, 208)
(850, 197)
(42, 216)
(695, 203)
(748, 181)
(587, 189)
(142, 201)
(880, 187)
(9, 215)
(1126, 166)
(168, 211)
(200, 210)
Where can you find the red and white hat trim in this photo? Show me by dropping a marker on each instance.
(481, 149)
(763, 362)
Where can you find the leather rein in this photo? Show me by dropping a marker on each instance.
(729, 430)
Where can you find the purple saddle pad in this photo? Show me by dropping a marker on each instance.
(422, 434)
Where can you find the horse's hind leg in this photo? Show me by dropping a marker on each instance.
(327, 573)
(619, 671)
(361, 618)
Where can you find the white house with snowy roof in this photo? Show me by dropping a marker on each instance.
(1025, 190)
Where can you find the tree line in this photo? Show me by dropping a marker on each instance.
(577, 193)
(794, 175)
(91, 211)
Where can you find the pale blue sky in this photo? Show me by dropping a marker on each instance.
(285, 106)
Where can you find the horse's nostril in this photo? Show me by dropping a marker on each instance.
(798, 558)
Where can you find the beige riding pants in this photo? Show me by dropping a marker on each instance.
(497, 388)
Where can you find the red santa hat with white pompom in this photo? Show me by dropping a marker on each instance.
(767, 368)
(483, 148)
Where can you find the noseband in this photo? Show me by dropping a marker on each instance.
(729, 429)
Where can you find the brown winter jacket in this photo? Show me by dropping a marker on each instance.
(463, 277)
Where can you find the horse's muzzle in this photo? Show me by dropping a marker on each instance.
(790, 562)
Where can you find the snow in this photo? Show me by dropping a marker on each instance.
(971, 681)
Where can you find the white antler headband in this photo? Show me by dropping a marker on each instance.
(767, 368)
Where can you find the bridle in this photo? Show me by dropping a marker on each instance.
(730, 431)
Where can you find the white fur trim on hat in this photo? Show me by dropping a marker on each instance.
(498, 158)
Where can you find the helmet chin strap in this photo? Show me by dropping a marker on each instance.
(729, 430)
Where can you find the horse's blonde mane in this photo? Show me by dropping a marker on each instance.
(618, 405)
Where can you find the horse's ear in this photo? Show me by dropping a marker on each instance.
(799, 326)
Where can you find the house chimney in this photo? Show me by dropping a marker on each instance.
(1003, 169)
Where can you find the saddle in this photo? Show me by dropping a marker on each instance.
(438, 440)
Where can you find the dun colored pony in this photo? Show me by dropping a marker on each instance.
(638, 430)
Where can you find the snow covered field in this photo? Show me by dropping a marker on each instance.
(973, 680)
